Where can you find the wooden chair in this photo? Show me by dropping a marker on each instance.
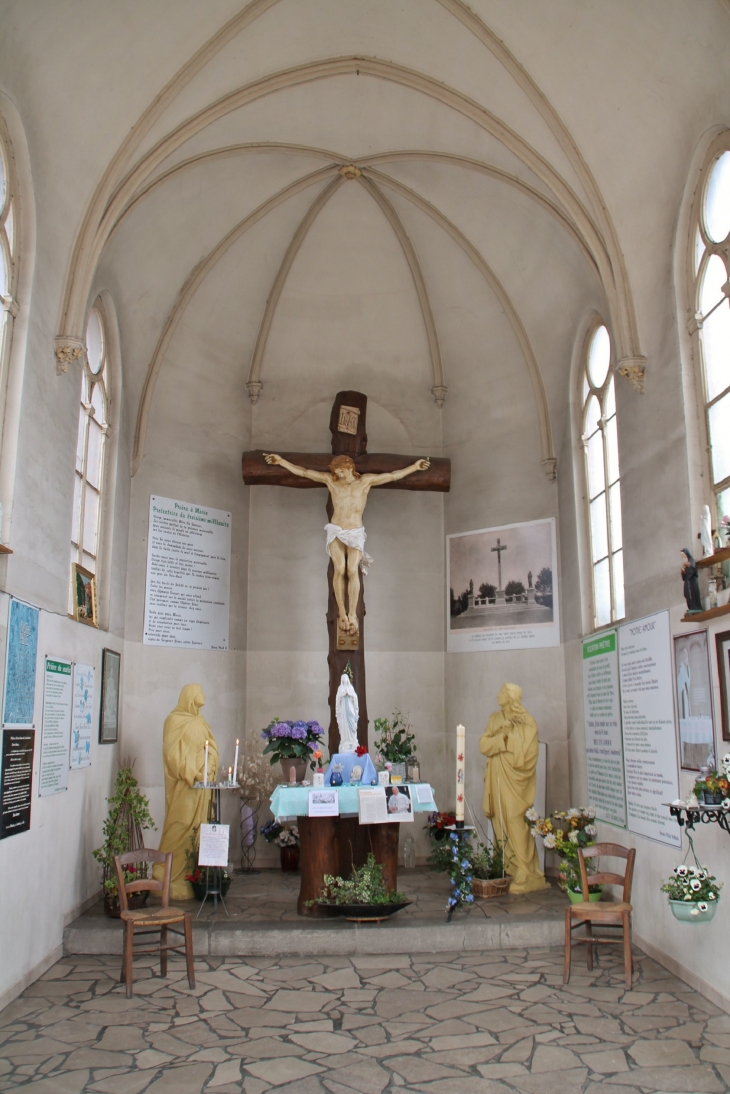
(602, 913)
(152, 920)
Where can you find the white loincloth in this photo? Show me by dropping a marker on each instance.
(350, 537)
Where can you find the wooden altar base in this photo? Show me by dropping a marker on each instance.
(264, 922)
(333, 845)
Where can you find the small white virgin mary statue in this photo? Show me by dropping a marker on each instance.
(347, 712)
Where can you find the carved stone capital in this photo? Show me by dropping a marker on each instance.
(439, 393)
(633, 369)
(350, 172)
(254, 389)
(68, 350)
(550, 467)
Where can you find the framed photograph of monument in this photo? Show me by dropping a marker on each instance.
(84, 596)
(694, 700)
(722, 647)
(502, 588)
(109, 706)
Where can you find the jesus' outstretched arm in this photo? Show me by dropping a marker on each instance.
(302, 472)
(393, 476)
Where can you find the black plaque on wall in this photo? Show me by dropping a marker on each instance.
(16, 780)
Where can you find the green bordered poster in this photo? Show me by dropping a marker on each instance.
(56, 740)
(602, 713)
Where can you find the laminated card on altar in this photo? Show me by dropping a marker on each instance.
(324, 803)
(385, 805)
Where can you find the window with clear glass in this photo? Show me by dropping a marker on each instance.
(711, 280)
(90, 444)
(9, 243)
(600, 443)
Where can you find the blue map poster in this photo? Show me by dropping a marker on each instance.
(20, 666)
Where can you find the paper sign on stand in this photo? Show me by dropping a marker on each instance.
(424, 794)
(213, 845)
(371, 805)
(324, 803)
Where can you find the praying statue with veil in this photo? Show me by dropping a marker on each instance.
(347, 712)
(511, 746)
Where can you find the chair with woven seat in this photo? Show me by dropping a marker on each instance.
(602, 913)
(150, 921)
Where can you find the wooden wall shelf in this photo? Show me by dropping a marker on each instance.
(723, 555)
(700, 617)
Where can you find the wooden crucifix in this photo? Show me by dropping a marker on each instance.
(348, 481)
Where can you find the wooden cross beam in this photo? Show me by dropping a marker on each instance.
(349, 438)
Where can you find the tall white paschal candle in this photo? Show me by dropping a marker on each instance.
(205, 777)
(235, 764)
(460, 753)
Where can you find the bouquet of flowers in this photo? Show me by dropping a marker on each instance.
(280, 834)
(396, 743)
(693, 883)
(292, 741)
(436, 826)
(564, 832)
(255, 776)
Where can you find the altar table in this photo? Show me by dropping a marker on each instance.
(333, 845)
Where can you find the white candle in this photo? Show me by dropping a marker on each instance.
(460, 752)
(230, 776)
(205, 777)
(235, 763)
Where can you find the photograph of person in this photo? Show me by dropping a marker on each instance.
(398, 803)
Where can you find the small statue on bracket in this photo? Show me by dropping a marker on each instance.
(691, 582)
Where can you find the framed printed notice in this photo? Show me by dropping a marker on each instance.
(722, 648)
(20, 665)
(694, 700)
(502, 588)
(109, 706)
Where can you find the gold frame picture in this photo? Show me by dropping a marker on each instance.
(84, 584)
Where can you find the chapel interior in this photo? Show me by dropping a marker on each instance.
(505, 224)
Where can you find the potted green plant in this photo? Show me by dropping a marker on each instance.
(488, 869)
(712, 789)
(437, 825)
(197, 874)
(565, 832)
(693, 893)
(128, 817)
(364, 896)
(394, 743)
(292, 744)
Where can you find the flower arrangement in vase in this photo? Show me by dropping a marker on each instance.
(287, 840)
(293, 744)
(565, 832)
(395, 745)
(714, 787)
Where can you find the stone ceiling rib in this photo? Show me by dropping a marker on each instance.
(195, 279)
(300, 74)
(548, 461)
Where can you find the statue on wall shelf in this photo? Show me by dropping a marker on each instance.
(183, 756)
(691, 582)
(511, 745)
(345, 534)
(347, 712)
(706, 532)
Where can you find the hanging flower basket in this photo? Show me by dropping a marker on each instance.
(691, 911)
(693, 891)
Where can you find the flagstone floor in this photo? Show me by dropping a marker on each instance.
(476, 1023)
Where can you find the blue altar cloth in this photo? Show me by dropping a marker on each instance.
(348, 761)
(293, 801)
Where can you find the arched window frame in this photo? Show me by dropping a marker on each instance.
(88, 526)
(701, 249)
(601, 472)
(10, 231)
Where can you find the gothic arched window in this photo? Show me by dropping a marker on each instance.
(90, 445)
(600, 443)
(710, 263)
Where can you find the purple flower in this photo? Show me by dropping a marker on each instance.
(300, 725)
(315, 728)
(281, 729)
(313, 745)
(298, 732)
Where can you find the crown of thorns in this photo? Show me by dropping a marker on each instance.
(344, 461)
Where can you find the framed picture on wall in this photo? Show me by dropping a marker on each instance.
(84, 596)
(109, 706)
(722, 646)
(694, 699)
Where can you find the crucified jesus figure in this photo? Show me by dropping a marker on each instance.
(346, 534)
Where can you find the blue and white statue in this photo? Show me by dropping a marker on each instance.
(347, 712)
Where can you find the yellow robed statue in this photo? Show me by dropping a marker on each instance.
(511, 745)
(183, 756)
